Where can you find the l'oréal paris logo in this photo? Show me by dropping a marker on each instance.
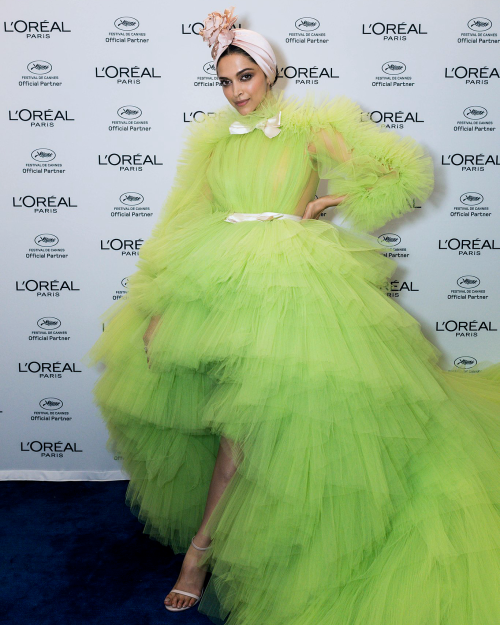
(39, 118)
(472, 75)
(43, 204)
(468, 247)
(471, 162)
(45, 288)
(464, 328)
(392, 32)
(393, 288)
(196, 116)
(307, 75)
(33, 29)
(126, 75)
(126, 247)
(50, 449)
(48, 369)
(128, 162)
(393, 119)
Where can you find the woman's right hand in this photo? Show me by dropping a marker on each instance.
(314, 208)
(148, 335)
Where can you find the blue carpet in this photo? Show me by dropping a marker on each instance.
(72, 553)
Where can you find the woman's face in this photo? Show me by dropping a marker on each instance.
(242, 80)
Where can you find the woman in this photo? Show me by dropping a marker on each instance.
(289, 427)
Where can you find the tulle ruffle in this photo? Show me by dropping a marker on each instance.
(367, 485)
(381, 173)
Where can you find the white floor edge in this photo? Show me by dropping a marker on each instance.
(62, 476)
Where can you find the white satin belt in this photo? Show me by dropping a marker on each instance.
(267, 216)
(270, 127)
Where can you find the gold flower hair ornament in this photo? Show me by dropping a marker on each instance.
(216, 29)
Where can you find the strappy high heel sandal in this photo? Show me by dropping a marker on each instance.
(185, 592)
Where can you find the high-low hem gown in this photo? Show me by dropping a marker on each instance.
(367, 490)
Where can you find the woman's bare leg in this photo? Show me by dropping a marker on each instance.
(191, 577)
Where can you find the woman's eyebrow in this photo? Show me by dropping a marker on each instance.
(237, 73)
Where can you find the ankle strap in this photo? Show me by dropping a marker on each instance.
(200, 548)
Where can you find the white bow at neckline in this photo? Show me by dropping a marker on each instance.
(270, 127)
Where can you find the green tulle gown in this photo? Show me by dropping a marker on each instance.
(368, 482)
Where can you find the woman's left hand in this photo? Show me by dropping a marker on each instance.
(316, 207)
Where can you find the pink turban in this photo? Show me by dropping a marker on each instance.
(217, 33)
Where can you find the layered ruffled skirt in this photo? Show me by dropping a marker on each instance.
(368, 483)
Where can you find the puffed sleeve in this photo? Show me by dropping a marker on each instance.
(381, 173)
(189, 198)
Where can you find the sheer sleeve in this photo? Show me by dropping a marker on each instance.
(381, 173)
(189, 198)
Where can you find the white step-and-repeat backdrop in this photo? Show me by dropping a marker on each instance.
(95, 100)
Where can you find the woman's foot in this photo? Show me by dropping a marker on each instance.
(191, 577)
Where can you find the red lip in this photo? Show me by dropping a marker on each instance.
(242, 102)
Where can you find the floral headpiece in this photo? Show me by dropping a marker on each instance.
(217, 32)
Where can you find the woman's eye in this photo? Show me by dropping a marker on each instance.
(223, 83)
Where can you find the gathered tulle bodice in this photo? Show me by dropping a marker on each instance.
(376, 171)
(254, 173)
